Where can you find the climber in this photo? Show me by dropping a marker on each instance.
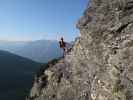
(63, 46)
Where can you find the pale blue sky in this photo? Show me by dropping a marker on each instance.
(40, 19)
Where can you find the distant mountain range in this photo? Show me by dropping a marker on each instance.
(16, 75)
(41, 50)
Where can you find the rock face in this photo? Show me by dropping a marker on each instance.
(100, 65)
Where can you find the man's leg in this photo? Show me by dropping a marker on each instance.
(64, 52)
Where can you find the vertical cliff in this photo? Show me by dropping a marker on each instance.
(100, 65)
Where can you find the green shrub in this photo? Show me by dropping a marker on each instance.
(46, 66)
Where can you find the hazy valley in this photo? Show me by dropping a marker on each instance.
(40, 51)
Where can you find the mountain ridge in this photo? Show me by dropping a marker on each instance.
(40, 51)
(16, 75)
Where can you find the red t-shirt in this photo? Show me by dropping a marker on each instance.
(62, 44)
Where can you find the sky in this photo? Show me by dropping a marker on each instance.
(24, 20)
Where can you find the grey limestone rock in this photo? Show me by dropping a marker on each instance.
(100, 65)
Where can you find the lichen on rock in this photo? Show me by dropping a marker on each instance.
(100, 65)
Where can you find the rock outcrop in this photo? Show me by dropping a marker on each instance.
(100, 65)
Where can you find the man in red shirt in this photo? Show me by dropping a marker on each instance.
(62, 45)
